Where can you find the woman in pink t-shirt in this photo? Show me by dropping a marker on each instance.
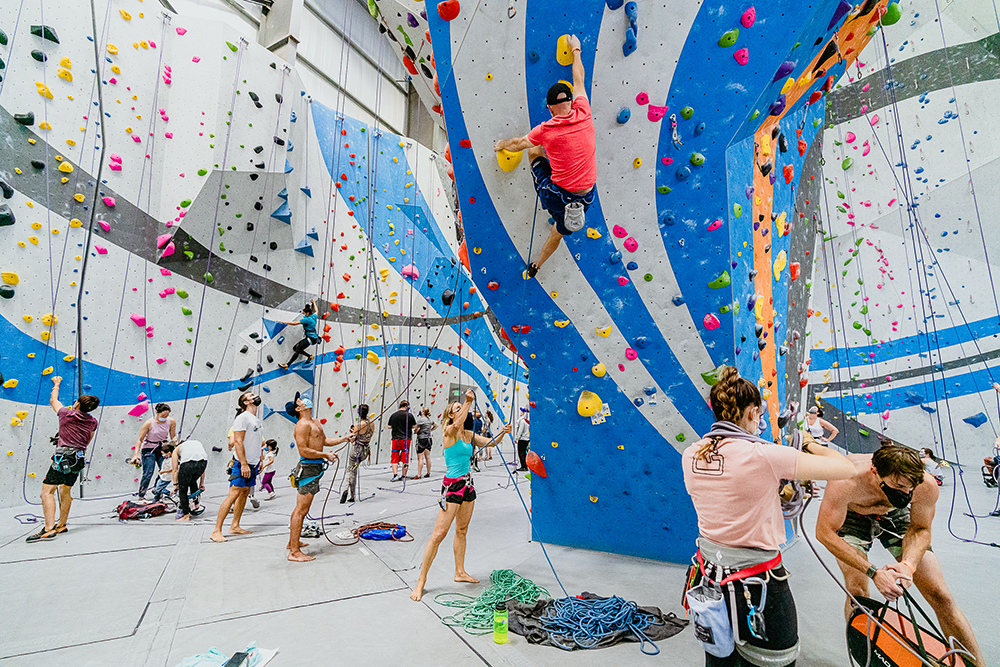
(733, 477)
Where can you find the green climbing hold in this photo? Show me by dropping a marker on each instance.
(156, 384)
(663, 189)
(846, 164)
(729, 38)
(892, 14)
(648, 277)
(724, 309)
(373, 10)
(202, 172)
(737, 210)
(357, 356)
(686, 113)
(232, 47)
(337, 414)
(681, 437)
(722, 281)
(756, 112)
(182, 294)
(185, 203)
(862, 431)
(3, 38)
(816, 122)
(711, 377)
(45, 32)
(697, 159)
(864, 310)
(857, 325)
(186, 311)
(208, 277)
(222, 247)
(189, 254)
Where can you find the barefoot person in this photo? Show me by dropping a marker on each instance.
(310, 440)
(563, 158)
(733, 476)
(76, 430)
(891, 498)
(248, 443)
(458, 497)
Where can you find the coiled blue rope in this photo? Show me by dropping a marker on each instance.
(586, 622)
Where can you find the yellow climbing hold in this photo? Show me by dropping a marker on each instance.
(10, 384)
(43, 90)
(780, 223)
(564, 54)
(66, 62)
(144, 44)
(765, 145)
(10, 277)
(593, 233)
(636, 163)
(69, 357)
(10, 452)
(384, 273)
(125, 14)
(31, 474)
(599, 370)
(66, 168)
(20, 244)
(370, 337)
(780, 262)
(33, 239)
(44, 125)
(562, 324)
(788, 86)
(112, 49)
(48, 371)
(508, 161)
(79, 197)
(372, 357)
(64, 74)
(554, 295)
(489, 76)
(593, 499)
(27, 318)
(477, 250)
(589, 404)
(14, 421)
(22, 414)
(36, 225)
(603, 333)
(621, 447)
(555, 444)
(46, 335)
(48, 319)
(116, 69)
(31, 355)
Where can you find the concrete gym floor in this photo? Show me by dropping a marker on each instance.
(151, 593)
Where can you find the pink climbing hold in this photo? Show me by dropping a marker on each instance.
(168, 251)
(749, 16)
(631, 354)
(161, 239)
(181, 31)
(101, 250)
(631, 244)
(642, 99)
(140, 409)
(891, 202)
(711, 322)
(196, 59)
(139, 320)
(136, 138)
(114, 166)
(667, 161)
(619, 231)
(655, 113)
(161, 360)
(142, 396)
(168, 135)
(874, 120)
(105, 226)
(715, 225)
(850, 137)
(410, 272)
(108, 201)
(170, 290)
(623, 281)
(742, 56)
(115, 157)
(165, 272)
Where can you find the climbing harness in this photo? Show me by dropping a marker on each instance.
(674, 136)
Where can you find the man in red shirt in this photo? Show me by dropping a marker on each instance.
(563, 157)
(76, 429)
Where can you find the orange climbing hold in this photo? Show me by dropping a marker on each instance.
(535, 464)
(449, 9)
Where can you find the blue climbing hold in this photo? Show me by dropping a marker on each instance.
(304, 247)
(976, 420)
(649, 391)
(683, 173)
(631, 266)
(628, 48)
(638, 402)
(288, 167)
(699, 128)
(624, 115)
(615, 4)
(642, 343)
(283, 194)
(307, 191)
(615, 257)
(283, 214)
(632, 12)
(678, 300)
(533, 56)
(667, 218)
(313, 234)
(913, 398)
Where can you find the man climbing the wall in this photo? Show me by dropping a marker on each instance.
(76, 430)
(891, 498)
(248, 441)
(310, 441)
(563, 158)
(401, 424)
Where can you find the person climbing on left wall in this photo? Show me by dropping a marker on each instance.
(563, 157)
(308, 323)
(76, 431)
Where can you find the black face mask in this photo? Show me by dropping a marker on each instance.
(896, 497)
(256, 400)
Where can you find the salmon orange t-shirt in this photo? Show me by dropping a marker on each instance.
(735, 492)
(570, 146)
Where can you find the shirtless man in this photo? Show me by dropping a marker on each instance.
(310, 441)
(892, 499)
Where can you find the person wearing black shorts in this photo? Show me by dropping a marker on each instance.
(425, 427)
(76, 431)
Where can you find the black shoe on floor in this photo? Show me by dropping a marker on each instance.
(41, 535)
(395, 478)
(343, 497)
(198, 511)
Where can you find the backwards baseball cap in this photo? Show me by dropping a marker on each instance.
(814, 410)
(558, 93)
(291, 408)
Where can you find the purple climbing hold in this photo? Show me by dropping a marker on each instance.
(412, 20)
(749, 191)
(784, 69)
(778, 106)
(842, 9)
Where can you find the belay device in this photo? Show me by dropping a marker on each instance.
(901, 640)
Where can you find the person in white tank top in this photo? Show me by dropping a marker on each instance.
(817, 426)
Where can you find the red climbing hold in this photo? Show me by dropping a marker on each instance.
(465, 143)
(449, 9)
(493, 285)
(788, 171)
(793, 271)
(410, 67)
(815, 97)
(828, 84)
(803, 146)
(521, 328)
(335, 307)
(535, 464)
(347, 277)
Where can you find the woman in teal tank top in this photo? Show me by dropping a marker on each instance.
(458, 497)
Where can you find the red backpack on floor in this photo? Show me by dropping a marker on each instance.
(129, 510)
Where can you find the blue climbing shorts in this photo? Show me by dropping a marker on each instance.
(236, 477)
(553, 197)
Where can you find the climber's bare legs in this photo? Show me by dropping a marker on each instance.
(551, 243)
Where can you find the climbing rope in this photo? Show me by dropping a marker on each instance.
(574, 622)
(476, 614)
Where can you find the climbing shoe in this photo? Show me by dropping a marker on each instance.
(532, 270)
(41, 535)
(60, 529)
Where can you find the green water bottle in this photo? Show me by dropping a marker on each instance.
(500, 623)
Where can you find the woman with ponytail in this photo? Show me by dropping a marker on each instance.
(733, 476)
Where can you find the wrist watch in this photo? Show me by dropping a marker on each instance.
(871, 571)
